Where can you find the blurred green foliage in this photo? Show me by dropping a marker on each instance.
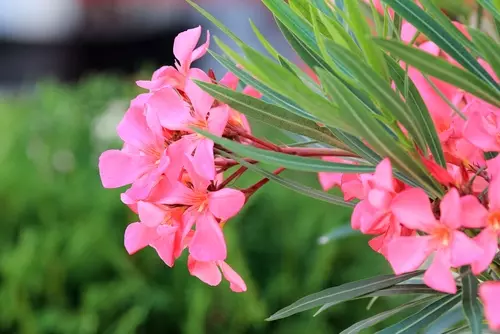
(63, 268)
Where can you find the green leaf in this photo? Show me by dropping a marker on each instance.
(369, 322)
(292, 185)
(470, 303)
(270, 94)
(491, 7)
(338, 34)
(372, 131)
(380, 90)
(424, 317)
(269, 48)
(436, 33)
(342, 293)
(374, 57)
(396, 290)
(288, 161)
(419, 109)
(442, 70)
(490, 50)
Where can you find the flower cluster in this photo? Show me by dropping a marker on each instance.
(177, 187)
(464, 226)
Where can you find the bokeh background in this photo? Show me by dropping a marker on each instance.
(67, 72)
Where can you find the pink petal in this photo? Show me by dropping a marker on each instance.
(352, 187)
(463, 250)
(133, 128)
(329, 180)
(118, 168)
(450, 209)
(225, 203)
(165, 244)
(250, 91)
(200, 182)
(201, 50)
(494, 167)
(473, 213)
(379, 199)
(236, 283)
(138, 236)
(172, 111)
(207, 272)
(494, 194)
(413, 209)
(175, 193)
(150, 215)
(475, 132)
(184, 45)
(218, 119)
(201, 101)
(439, 276)
(203, 160)
(166, 76)
(362, 213)
(383, 175)
(406, 254)
(488, 241)
(490, 296)
(230, 81)
(208, 242)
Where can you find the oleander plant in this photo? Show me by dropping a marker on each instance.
(396, 103)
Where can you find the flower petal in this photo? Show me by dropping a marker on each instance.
(184, 45)
(172, 111)
(236, 283)
(439, 276)
(208, 242)
(463, 250)
(207, 272)
(451, 209)
(383, 175)
(406, 254)
(225, 203)
(165, 245)
(490, 296)
(138, 236)
(473, 213)
(488, 241)
(413, 209)
(203, 159)
(118, 168)
(150, 215)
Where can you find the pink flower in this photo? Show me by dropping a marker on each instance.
(186, 53)
(483, 125)
(143, 158)
(490, 296)
(176, 114)
(451, 247)
(209, 273)
(207, 243)
(373, 214)
(479, 216)
(351, 184)
(160, 228)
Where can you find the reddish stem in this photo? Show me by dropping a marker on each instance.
(252, 189)
(232, 177)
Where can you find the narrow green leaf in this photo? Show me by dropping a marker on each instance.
(374, 57)
(396, 290)
(380, 90)
(342, 293)
(369, 322)
(372, 131)
(436, 33)
(292, 185)
(216, 22)
(419, 109)
(269, 48)
(440, 68)
(424, 317)
(270, 94)
(470, 302)
(490, 50)
(338, 34)
(288, 161)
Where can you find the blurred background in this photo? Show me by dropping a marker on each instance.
(67, 72)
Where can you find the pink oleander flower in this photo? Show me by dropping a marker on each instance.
(483, 125)
(490, 296)
(451, 247)
(178, 115)
(479, 217)
(205, 206)
(209, 273)
(350, 184)
(159, 227)
(186, 53)
(373, 215)
(144, 156)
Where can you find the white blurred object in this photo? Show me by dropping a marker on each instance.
(39, 20)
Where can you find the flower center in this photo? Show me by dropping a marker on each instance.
(494, 221)
(443, 235)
